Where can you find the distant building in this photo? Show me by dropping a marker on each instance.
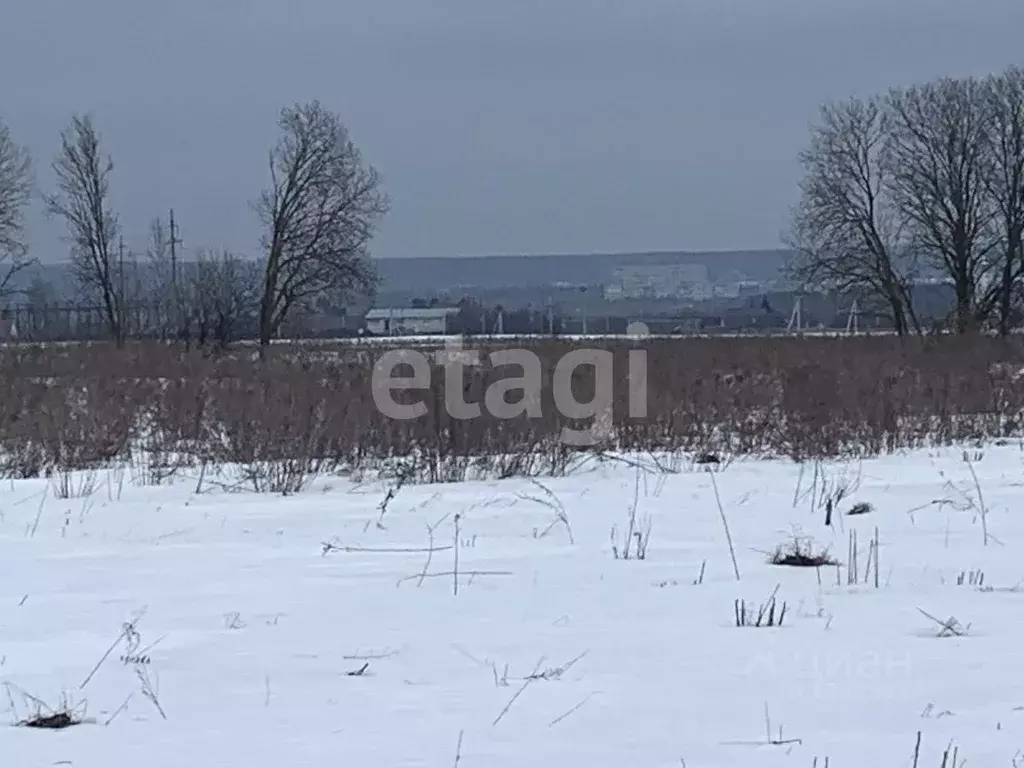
(410, 321)
(660, 281)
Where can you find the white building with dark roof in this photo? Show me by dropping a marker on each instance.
(409, 321)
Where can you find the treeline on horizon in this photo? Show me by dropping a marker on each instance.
(920, 180)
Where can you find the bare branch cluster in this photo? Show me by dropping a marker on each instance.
(16, 182)
(319, 215)
(925, 182)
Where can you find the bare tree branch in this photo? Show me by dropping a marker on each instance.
(82, 200)
(224, 296)
(939, 171)
(1004, 135)
(16, 183)
(319, 215)
(847, 235)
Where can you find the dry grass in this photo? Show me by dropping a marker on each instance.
(800, 552)
(306, 411)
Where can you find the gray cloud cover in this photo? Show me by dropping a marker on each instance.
(501, 126)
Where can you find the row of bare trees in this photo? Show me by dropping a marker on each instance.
(920, 182)
(317, 218)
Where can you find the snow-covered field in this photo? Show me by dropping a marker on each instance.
(238, 641)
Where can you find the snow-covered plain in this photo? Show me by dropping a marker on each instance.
(559, 655)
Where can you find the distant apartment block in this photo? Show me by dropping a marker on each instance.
(660, 281)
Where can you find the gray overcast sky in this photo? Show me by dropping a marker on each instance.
(500, 126)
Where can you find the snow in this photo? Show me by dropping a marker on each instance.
(250, 630)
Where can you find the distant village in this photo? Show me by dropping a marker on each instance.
(670, 292)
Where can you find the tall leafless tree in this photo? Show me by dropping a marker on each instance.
(82, 200)
(1004, 128)
(319, 215)
(846, 233)
(16, 183)
(939, 166)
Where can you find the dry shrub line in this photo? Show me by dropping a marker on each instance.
(85, 407)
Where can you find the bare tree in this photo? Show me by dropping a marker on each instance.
(319, 215)
(224, 295)
(939, 172)
(82, 200)
(40, 293)
(1004, 128)
(16, 182)
(846, 233)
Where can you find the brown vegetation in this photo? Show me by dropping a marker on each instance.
(308, 410)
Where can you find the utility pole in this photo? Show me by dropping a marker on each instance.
(120, 291)
(175, 300)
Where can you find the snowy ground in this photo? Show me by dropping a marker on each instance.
(250, 634)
